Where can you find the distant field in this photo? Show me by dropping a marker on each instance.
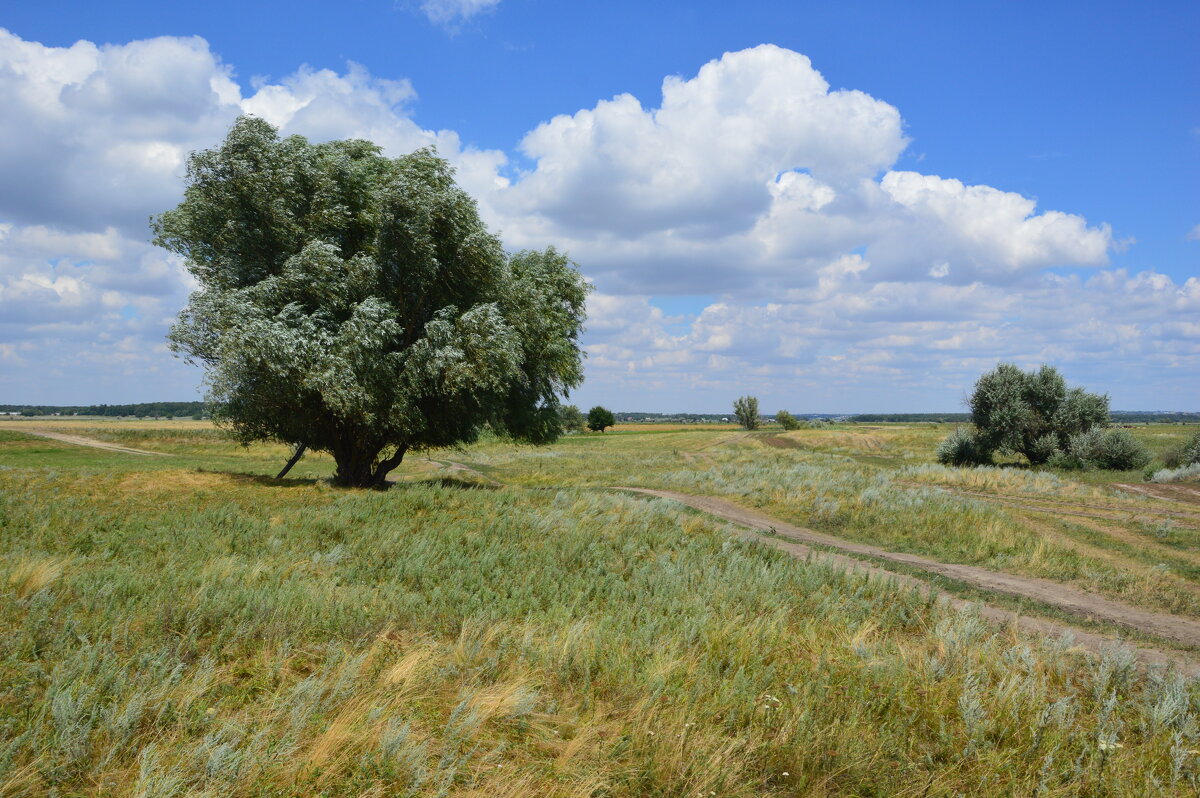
(500, 623)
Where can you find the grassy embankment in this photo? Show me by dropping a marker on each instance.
(170, 630)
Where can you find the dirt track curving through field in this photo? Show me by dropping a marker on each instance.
(1063, 597)
(79, 440)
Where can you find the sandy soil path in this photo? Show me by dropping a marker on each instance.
(1069, 599)
(79, 440)
(1172, 492)
(452, 466)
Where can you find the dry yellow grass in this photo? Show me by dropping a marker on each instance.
(32, 576)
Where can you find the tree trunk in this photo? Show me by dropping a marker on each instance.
(353, 466)
(359, 468)
(295, 459)
(385, 466)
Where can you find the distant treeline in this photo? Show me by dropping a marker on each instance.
(153, 409)
(877, 417)
(1118, 417)
(1154, 417)
(699, 418)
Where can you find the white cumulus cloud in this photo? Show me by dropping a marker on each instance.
(832, 279)
(752, 175)
(445, 12)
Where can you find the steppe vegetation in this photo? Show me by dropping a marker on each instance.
(500, 623)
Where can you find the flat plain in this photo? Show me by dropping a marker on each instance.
(502, 621)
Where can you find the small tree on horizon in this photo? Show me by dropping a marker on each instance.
(598, 418)
(745, 409)
(787, 420)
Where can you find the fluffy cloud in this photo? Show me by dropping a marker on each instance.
(93, 142)
(847, 343)
(704, 161)
(95, 136)
(828, 274)
(753, 175)
(447, 12)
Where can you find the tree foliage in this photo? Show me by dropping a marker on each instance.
(1113, 449)
(1191, 451)
(571, 418)
(598, 418)
(745, 409)
(960, 448)
(1031, 413)
(358, 305)
(787, 420)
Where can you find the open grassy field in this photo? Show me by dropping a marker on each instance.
(502, 623)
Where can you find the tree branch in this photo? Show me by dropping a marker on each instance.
(385, 466)
(295, 459)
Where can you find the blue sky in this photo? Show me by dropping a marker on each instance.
(840, 221)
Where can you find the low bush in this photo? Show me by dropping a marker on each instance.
(1113, 449)
(1187, 473)
(1120, 451)
(1043, 448)
(1066, 461)
(1191, 451)
(960, 448)
(1174, 457)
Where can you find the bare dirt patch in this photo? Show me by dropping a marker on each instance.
(463, 468)
(1183, 494)
(79, 440)
(1068, 599)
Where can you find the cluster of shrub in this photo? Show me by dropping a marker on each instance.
(1182, 464)
(1034, 414)
(789, 422)
(1114, 449)
(572, 419)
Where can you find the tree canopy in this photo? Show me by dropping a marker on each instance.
(1032, 413)
(745, 408)
(786, 420)
(598, 418)
(358, 305)
(571, 418)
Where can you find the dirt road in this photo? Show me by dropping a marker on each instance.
(1069, 599)
(79, 440)
(1187, 494)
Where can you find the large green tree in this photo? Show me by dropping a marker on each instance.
(356, 304)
